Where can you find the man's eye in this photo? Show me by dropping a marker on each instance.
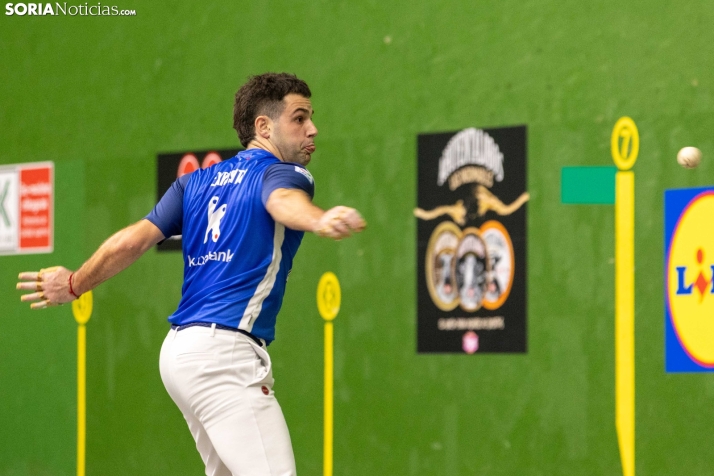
(300, 119)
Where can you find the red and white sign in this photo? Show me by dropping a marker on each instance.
(27, 208)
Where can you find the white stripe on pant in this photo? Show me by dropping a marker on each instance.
(219, 380)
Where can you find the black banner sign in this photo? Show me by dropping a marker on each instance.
(471, 231)
(174, 165)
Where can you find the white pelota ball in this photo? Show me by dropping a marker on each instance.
(689, 157)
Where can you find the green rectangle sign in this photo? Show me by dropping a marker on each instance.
(588, 185)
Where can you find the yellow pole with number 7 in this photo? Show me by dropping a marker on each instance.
(82, 310)
(625, 145)
(328, 304)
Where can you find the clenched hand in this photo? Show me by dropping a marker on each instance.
(340, 222)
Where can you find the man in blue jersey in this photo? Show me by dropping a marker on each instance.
(241, 222)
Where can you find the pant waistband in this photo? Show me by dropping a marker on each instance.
(255, 339)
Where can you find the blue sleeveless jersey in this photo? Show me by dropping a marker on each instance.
(236, 257)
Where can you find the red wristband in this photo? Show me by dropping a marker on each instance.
(71, 291)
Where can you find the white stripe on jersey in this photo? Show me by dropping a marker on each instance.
(252, 311)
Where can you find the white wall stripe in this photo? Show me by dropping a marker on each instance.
(252, 311)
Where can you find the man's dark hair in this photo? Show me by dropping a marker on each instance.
(263, 95)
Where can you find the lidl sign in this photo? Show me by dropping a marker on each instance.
(27, 208)
(689, 280)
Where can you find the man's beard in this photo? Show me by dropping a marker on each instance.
(300, 157)
(296, 156)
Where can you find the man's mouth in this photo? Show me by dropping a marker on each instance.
(310, 148)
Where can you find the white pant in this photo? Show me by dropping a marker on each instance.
(222, 382)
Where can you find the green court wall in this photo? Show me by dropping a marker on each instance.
(101, 96)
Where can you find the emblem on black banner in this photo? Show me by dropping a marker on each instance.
(472, 241)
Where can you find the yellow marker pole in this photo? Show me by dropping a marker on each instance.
(329, 399)
(625, 144)
(81, 398)
(82, 310)
(329, 296)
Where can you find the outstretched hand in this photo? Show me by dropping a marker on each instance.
(340, 222)
(50, 287)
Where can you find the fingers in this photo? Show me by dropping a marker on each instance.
(339, 227)
(43, 301)
(29, 286)
(332, 226)
(354, 220)
(29, 276)
(336, 231)
(32, 281)
(37, 275)
(32, 297)
(43, 304)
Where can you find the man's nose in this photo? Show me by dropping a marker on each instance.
(311, 130)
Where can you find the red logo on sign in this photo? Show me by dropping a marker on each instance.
(189, 163)
(210, 159)
(36, 203)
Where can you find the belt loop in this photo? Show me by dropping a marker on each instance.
(213, 329)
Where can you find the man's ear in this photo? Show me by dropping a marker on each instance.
(263, 127)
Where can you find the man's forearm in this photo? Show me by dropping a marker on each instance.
(294, 209)
(117, 253)
(57, 284)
